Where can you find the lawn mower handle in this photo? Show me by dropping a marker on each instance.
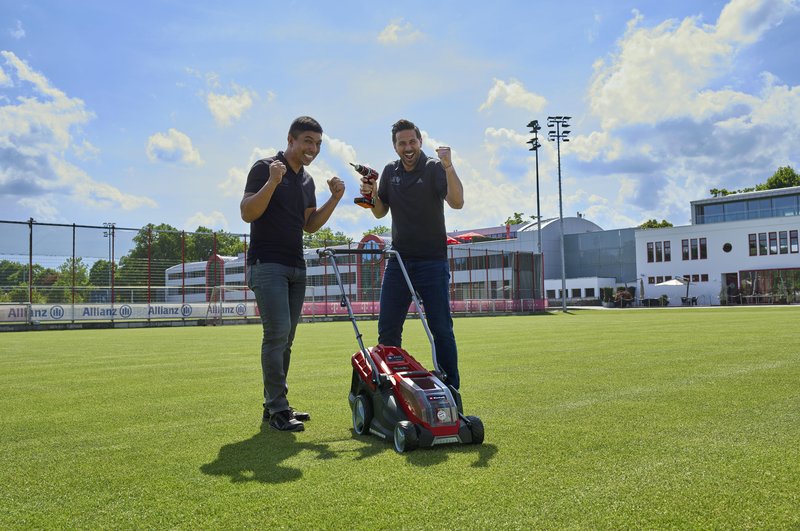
(329, 252)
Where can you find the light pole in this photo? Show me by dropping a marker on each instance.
(559, 134)
(535, 145)
(109, 233)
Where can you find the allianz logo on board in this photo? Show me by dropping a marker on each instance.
(184, 310)
(216, 309)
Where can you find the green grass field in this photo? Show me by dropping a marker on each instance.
(674, 418)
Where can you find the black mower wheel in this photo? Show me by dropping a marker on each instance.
(362, 414)
(405, 437)
(476, 429)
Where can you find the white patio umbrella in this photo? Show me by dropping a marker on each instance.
(676, 282)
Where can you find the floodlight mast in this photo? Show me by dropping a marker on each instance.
(559, 134)
(535, 145)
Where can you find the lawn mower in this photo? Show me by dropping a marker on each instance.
(395, 397)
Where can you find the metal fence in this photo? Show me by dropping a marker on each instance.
(69, 273)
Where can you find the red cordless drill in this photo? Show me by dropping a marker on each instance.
(366, 200)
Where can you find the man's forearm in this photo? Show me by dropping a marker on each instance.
(455, 190)
(320, 216)
(253, 205)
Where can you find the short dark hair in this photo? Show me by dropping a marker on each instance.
(304, 123)
(402, 125)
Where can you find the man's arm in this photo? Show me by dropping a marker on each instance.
(317, 217)
(253, 205)
(455, 190)
(371, 187)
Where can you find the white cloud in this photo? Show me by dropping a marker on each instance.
(595, 145)
(214, 220)
(174, 146)
(228, 108)
(95, 194)
(42, 208)
(35, 133)
(398, 33)
(233, 184)
(341, 150)
(85, 150)
(5, 80)
(745, 21)
(18, 32)
(513, 94)
(664, 72)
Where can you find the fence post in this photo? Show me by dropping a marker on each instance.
(149, 259)
(113, 272)
(73, 273)
(30, 263)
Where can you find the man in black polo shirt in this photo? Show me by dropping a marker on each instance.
(279, 204)
(414, 188)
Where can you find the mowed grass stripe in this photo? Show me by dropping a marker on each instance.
(594, 419)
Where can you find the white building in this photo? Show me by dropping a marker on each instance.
(739, 248)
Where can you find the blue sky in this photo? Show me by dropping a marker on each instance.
(145, 112)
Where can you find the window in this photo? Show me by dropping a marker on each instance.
(711, 214)
(685, 249)
(576, 293)
(659, 252)
(651, 280)
(590, 292)
(694, 248)
(773, 243)
(784, 242)
(736, 211)
(759, 208)
(793, 248)
(551, 294)
(704, 277)
(762, 243)
(695, 278)
(785, 206)
(659, 280)
(703, 249)
(753, 244)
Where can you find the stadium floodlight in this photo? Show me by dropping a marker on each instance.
(558, 133)
(535, 145)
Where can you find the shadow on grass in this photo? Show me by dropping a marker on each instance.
(440, 454)
(428, 456)
(259, 458)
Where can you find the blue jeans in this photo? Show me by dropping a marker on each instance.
(431, 280)
(280, 291)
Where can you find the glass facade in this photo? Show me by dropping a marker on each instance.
(756, 208)
(610, 253)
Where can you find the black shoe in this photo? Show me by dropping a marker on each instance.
(283, 421)
(299, 415)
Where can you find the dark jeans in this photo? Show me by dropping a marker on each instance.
(279, 291)
(431, 280)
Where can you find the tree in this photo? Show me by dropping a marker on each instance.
(655, 224)
(784, 177)
(73, 272)
(200, 244)
(100, 273)
(378, 230)
(324, 237)
(722, 192)
(516, 219)
(156, 248)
